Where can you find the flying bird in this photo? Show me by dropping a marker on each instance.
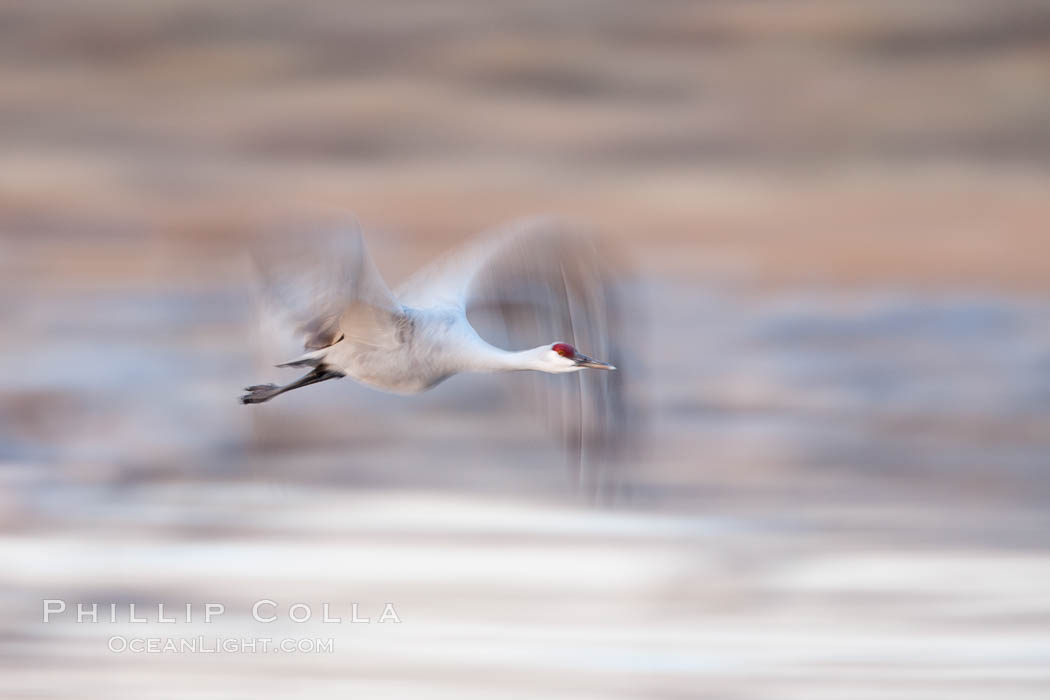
(410, 340)
(536, 280)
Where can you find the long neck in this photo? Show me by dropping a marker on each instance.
(466, 351)
(489, 358)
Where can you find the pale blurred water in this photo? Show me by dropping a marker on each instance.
(838, 495)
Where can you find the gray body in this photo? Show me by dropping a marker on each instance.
(406, 342)
(434, 345)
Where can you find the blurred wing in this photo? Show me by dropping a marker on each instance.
(327, 286)
(447, 281)
(533, 282)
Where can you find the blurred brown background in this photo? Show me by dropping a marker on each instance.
(837, 224)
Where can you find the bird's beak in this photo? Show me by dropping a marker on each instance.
(584, 361)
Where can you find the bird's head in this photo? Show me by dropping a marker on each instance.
(562, 357)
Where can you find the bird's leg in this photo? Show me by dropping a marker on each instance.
(264, 392)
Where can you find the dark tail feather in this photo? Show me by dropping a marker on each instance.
(300, 363)
(260, 393)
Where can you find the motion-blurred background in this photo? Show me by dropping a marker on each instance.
(837, 222)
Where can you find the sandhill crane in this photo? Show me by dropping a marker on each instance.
(533, 280)
(408, 342)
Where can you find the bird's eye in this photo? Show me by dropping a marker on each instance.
(564, 349)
